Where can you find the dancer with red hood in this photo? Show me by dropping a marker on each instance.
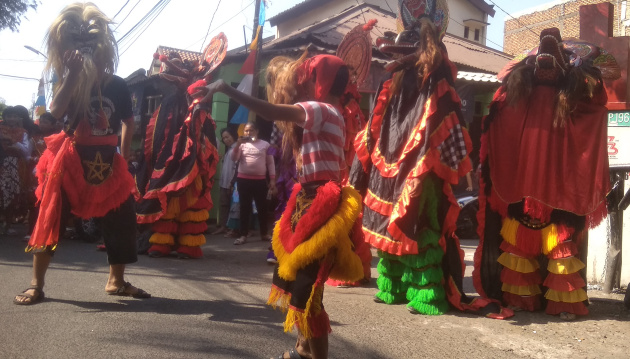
(544, 176)
(311, 240)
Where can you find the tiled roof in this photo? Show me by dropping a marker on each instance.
(470, 54)
(476, 76)
(331, 31)
(184, 54)
(308, 5)
(299, 8)
(326, 35)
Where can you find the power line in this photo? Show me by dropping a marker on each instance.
(144, 18)
(121, 9)
(486, 37)
(390, 8)
(364, 20)
(155, 15)
(225, 22)
(210, 24)
(508, 14)
(20, 77)
(22, 60)
(129, 13)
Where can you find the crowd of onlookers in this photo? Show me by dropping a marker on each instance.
(22, 143)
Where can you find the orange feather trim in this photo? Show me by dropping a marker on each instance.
(574, 296)
(520, 279)
(192, 240)
(192, 227)
(564, 282)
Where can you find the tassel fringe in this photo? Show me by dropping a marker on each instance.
(162, 238)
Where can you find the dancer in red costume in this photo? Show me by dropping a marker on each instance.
(175, 178)
(311, 240)
(356, 51)
(411, 152)
(544, 176)
(80, 171)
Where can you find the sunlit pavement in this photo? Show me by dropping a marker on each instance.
(208, 308)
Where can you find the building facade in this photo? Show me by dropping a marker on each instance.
(521, 32)
(468, 18)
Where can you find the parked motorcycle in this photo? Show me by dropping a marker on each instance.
(467, 219)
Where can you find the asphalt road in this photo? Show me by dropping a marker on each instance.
(215, 308)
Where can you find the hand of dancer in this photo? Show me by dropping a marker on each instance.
(73, 60)
(206, 92)
(415, 187)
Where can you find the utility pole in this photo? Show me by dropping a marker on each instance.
(255, 79)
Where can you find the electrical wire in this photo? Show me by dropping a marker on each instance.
(364, 20)
(129, 13)
(210, 24)
(22, 60)
(141, 21)
(508, 14)
(218, 26)
(486, 37)
(155, 15)
(390, 8)
(121, 9)
(19, 77)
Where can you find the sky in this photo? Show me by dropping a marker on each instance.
(182, 24)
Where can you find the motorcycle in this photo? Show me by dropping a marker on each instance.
(467, 219)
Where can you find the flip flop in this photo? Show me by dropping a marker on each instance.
(32, 299)
(293, 354)
(122, 292)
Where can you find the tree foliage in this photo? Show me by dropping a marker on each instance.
(3, 103)
(11, 12)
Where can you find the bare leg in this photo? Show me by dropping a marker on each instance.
(116, 280)
(41, 261)
(116, 277)
(319, 347)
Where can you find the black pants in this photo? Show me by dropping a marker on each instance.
(118, 227)
(255, 189)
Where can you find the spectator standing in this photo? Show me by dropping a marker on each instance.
(254, 164)
(14, 173)
(226, 182)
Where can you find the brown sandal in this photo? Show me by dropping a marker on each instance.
(122, 291)
(31, 299)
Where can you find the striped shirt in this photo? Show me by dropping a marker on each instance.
(322, 143)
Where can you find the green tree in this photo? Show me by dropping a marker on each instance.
(3, 105)
(12, 10)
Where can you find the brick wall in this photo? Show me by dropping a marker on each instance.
(566, 16)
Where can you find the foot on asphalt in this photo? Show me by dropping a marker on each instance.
(291, 354)
(271, 258)
(128, 290)
(218, 231)
(31, 295)
(240, 240)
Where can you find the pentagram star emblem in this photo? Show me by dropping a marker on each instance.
(97, 169)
